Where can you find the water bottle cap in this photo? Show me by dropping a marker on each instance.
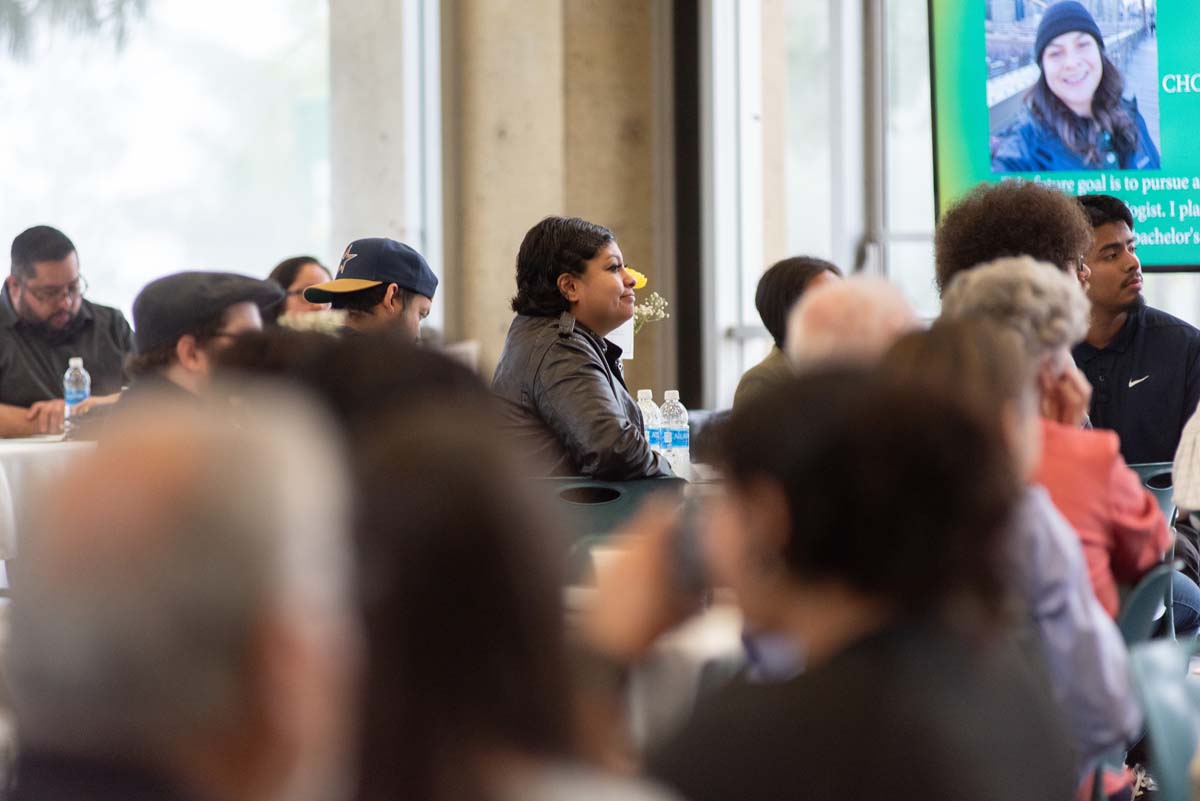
(645, 394)
(74, 361)
(671, 394)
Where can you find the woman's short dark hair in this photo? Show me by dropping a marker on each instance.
(462, 604)
(554, 246)
(286, 271)
(1082, 135)
(1011, 218)
(781, 286)
(898, 491)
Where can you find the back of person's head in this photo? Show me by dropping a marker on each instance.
(1045, 306)
(781, 285)
(462, 607)
(1104, 209)
(554, 246)
(896, 491)
(1011, 218)
(191, 600)
(39, 243)
(851, 321)
(985, 365)
(362, 379)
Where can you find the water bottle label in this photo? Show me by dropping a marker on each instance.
(675, 438)
(655, 435)
(75, 396)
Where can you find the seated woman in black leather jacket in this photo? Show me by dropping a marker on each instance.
(562, 393)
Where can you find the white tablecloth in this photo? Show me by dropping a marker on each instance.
(25, 466)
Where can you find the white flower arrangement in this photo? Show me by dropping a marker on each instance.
(653, 309)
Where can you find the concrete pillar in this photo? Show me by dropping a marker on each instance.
(367, 121)
(610, 176)
(775, 114)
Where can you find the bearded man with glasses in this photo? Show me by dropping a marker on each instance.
(44, 321)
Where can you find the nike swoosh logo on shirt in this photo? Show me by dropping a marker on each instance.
(1133, 383)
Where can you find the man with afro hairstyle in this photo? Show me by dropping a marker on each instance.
(1012, 218)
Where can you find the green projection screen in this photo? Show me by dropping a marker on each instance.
(1118, 114)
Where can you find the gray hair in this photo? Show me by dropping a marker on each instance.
(855, 320)
(138, 600)
(1046, 306)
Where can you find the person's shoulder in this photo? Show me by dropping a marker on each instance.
(107, 315)
(1157, 320)
(1092, 444)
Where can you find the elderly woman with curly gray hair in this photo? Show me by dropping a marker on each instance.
(1122, 529)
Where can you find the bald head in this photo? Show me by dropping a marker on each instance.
(139, 609)
(854, 320)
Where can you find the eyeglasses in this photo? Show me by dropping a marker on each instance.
(51, 294)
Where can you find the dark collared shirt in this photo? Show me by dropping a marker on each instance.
(32, 364)
(1145, 383)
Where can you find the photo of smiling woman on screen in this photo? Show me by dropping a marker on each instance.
(1075, 117)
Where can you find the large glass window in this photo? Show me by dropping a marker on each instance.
(201, 143)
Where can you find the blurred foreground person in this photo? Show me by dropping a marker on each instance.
(867, 521)
(180, 629)
(851, 322)
(780, 287)
(467, 694)
(986, 363)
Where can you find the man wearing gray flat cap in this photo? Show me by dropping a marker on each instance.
(181, 320)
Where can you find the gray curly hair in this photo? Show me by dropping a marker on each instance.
(1043, 304)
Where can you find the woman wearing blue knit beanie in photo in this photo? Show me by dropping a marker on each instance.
(1075, 116)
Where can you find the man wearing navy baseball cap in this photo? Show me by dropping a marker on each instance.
(380, 283)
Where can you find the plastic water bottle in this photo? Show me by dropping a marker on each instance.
(675, 437)
(77, 387)
(651, 419)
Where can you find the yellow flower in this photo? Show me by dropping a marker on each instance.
(638, 279)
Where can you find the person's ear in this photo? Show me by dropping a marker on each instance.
(568, 285)
(13, 284)
(391, 299)
(189, 354)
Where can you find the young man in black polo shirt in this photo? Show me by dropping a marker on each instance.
(44, 321)
(1143, 364)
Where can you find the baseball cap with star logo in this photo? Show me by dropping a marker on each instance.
(371, 262)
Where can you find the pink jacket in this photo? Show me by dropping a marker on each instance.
(1122, 529)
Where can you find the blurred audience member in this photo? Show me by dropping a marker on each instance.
(778, 290)
(183, 320)
(380, 284)
(559, 381)
(987, 365)
(44, 322)
(891, 580)
(467, 693)
(181, 629)
(1012, 218)
(1119, 522)
(362, 379)
(851, 321)
(293, 276)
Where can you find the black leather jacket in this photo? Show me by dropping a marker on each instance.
(565, 404)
